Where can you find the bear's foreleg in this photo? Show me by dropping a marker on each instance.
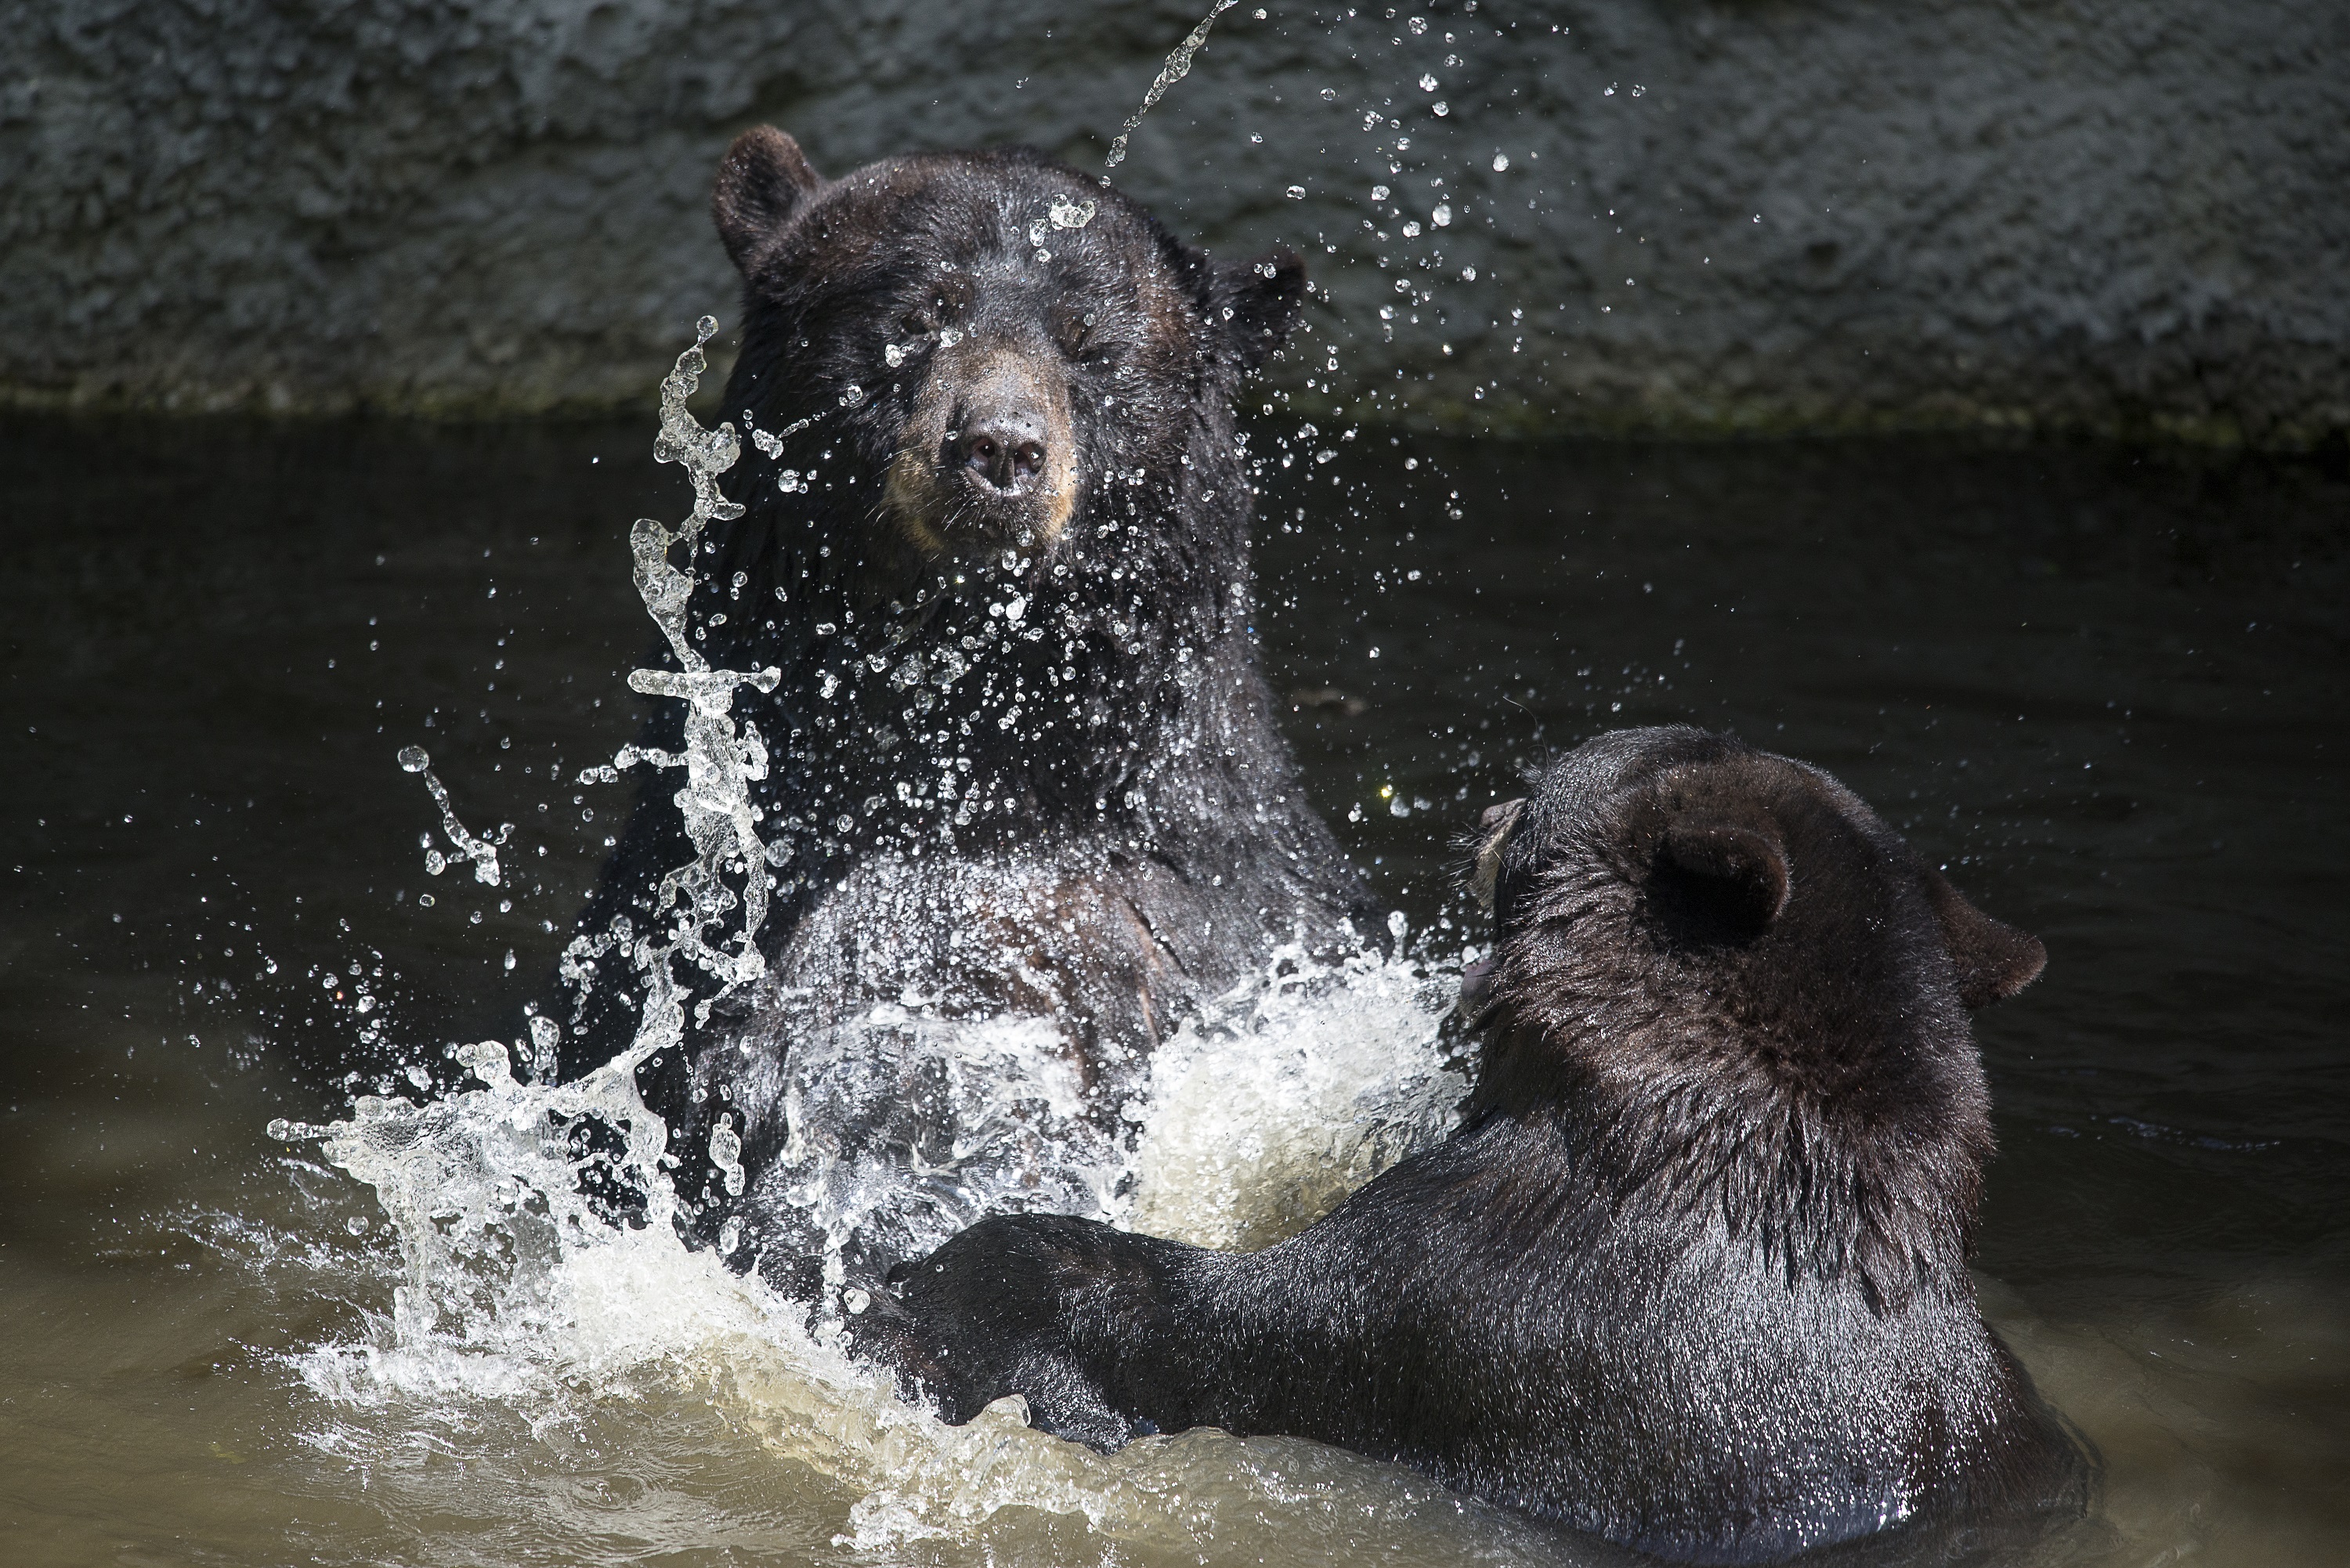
(1090, 1323)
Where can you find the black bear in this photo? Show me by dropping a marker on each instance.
(1691, 1276)
(1023, 761)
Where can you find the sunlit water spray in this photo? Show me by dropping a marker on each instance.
(516, 1285)
(1177, 67)
(482, 852)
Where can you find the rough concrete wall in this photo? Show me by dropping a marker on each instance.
(2104, 214)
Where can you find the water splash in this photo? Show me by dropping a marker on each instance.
(482, 852)
(492, 1192)
(1177, 67)
(722, 758)
(1062, 214)
(541, 1265)
(489, 1188)
(519, 1304)
(1271, 1107)
(906, 1127)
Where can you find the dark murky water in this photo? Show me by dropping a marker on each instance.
(2106, 686)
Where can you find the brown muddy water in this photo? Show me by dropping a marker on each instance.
(2106, 687)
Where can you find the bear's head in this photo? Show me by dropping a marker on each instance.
(985, 346)
(994, 524)
(1747, 994)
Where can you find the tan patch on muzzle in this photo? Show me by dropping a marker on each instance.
(946, 490)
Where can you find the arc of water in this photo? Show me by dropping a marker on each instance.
(721, 759)
(379, 1142)
(1177, 67)
(482, 852)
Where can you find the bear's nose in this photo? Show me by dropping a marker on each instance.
(1006, 453)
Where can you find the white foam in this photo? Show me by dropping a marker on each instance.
(1264, 1114)
(514, 1293)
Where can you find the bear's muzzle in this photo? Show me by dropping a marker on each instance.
(988, 455)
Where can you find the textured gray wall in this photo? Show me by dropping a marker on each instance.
(2127, 215)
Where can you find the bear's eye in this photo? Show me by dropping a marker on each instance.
(949, 296)
(1082, 340)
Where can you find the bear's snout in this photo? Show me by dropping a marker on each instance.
(1009, 422)
(988, 456)
(1002, 448)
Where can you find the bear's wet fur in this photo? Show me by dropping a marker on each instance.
(1692, 1275)
(1022, 759)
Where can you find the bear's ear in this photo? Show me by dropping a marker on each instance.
(1722, 879)
(1994, 959)
(764, 176)
(1254, 303)
(1493, 830)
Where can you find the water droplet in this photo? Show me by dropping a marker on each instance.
(1500, 162)
(414, 759)
(1295, 192)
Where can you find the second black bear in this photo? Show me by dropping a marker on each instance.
(1692, 1275)
(1022, 760)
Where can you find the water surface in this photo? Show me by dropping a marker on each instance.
(2103, 686)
